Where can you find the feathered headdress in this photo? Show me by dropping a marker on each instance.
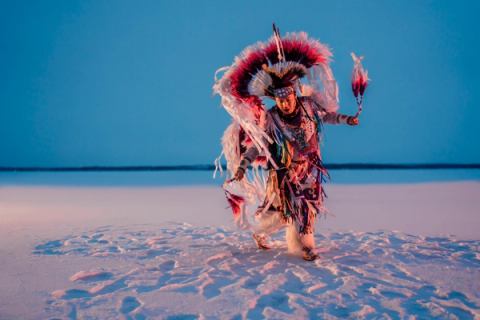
(264, 67)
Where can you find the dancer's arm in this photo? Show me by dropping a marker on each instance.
(331, 117)
(249, 155)
(338, 118)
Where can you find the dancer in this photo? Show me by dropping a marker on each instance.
(283, 140)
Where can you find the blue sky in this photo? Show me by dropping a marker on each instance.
(129, 83)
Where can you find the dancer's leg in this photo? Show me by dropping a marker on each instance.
(301, 238)
(269, 222)
(294, 244)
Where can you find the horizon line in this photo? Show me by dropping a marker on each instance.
(203, 167)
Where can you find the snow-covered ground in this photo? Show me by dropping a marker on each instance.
(150, 246)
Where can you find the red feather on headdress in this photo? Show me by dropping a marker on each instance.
(300, 54)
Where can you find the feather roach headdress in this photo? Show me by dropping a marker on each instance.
(265, 67)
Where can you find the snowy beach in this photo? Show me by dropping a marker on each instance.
(103, 246)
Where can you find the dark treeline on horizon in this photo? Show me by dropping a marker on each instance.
(331, 166)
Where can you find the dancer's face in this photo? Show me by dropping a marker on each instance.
(287, 105)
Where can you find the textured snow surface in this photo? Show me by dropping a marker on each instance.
(182, 272)
(409, 251)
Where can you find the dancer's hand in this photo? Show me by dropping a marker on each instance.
(239, 174)
(353, 121)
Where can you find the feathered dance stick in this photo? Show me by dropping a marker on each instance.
(359, 81)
